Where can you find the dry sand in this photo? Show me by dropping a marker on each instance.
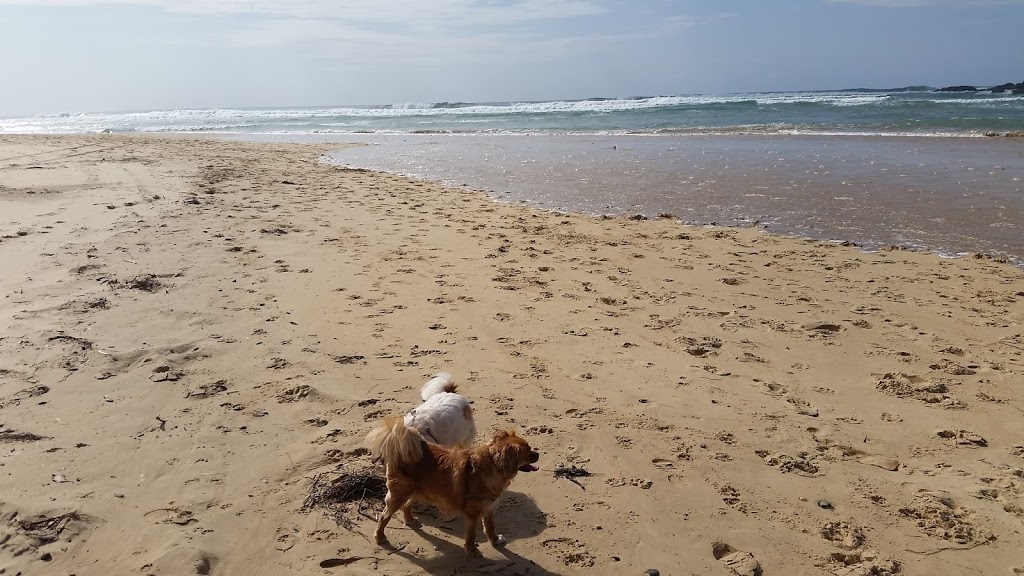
(192, 331)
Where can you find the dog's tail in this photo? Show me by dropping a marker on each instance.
(442, 382)
(394, 443)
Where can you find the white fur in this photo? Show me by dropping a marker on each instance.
(442, 416)
(436, 385)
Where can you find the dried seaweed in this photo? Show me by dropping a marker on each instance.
(11, 436)
(81, 342)
(571, 473)
(48, 529)
(343, 494)
(146, 282)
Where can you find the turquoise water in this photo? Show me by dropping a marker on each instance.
(851, 112)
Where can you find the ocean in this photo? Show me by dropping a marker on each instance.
(908, 167)
(848, 112)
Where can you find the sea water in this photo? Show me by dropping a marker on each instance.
(862, 112)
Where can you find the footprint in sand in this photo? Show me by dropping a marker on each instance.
(954, 368)
(928, 391)
(619, 482)
(962, 438)
(171, 516)
(295, 393)
(844, 535)
(863, 563)
(207, 390)
(803, 407)
(285, 538)
(937, 515)
(663, 464)
(25, 394)
(571, 552)
(730, 495)
(799, 465)
(772, 388)
(822, 327)
(748, 357)
(742, 563)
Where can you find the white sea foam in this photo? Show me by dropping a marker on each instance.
(201, 118)
(987, 100)
(735, 113)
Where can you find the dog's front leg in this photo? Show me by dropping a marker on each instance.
(471, 548)
(496, 539)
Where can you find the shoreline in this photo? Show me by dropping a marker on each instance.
(217, 322)
(940, 195)
(755, 226)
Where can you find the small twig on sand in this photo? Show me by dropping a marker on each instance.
(947, 548)
(359, 505)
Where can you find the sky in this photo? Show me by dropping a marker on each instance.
(117, 55)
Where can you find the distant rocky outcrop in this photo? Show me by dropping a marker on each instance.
(1008, 87)
(958, 89)
(1000, 89)
(890, 90)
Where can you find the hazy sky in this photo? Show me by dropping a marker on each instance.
(107, 55)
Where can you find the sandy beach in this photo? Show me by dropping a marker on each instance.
(193, 333)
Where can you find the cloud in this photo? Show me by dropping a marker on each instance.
(415, 29)
(479, 43)
(325, 37)
(416, 12)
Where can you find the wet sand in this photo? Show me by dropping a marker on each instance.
(192, 331)
(946, 195)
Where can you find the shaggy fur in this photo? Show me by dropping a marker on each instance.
(455, 479)
(444, 418)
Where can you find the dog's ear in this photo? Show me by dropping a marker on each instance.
(500, 435)
(505, 454)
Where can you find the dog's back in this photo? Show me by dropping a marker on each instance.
(445, 417)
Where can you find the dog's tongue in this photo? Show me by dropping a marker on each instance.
(528, 468)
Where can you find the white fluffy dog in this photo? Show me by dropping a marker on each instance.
(444, 418)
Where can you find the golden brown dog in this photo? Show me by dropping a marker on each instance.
(455, 479)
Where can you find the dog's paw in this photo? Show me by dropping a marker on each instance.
(474, 552)
(499, 542)
(413, 523)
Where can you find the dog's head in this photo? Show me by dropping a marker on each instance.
(511, 453)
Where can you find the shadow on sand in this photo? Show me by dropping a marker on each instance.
(516, 517)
